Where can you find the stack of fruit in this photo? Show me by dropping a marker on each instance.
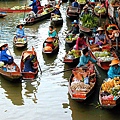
(71, 37)
(100, 9)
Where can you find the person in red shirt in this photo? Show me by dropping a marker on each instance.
(80, 42)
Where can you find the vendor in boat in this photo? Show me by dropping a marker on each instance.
(75, 28)
(52, 32)
(84, 11)
(80, 42)
(85, 58)
(114, 69)
(75, 4)
(100, 38)
(28, 58)
(57, 11)
(20, 32)
(34, 6)
(38, 4)
(4, 57)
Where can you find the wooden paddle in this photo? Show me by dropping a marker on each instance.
(40, 68)
(27, 35)
(24, 13)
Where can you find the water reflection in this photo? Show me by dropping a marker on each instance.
(31, 90)
(13, 91)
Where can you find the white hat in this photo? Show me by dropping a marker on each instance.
(25, 55)
(100, 28)
(3, 44)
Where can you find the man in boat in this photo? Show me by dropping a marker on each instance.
(34, 6)
(4, 57)
(20, 32)
(75, 28)
(52, 32)
(100, 38)
(28, 58)
(75, 4)
(114, 69)
(57, 11)
(85, 58)
(80, 42)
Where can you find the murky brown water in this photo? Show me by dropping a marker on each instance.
(45, 98)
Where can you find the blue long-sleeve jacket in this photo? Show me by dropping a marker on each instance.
(34, 6)
(28, 64)
(20, 33)
(4, 56)
(84, 60)
(112, 72)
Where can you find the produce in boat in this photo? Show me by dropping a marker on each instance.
(72, 37)
(110, 92)
(20, 8)
(81, 1)
(100, 9)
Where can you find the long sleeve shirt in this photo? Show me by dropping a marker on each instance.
(34, 7)
(112, 72)
(20, 33)
(85, 59)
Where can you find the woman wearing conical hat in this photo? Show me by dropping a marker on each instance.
(114, 69)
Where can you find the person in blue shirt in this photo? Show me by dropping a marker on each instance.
(114, 69)
(28, 65)
(4, 57)
(34, 6)
(52, 32)
(20, 31)
(57, 11)
(85, 58)
(75, 4)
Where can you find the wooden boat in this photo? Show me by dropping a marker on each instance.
(2, 14)
(71, 40)
(81, 87)
(29, 75)
(85, 29)
(73, 12)
(57, 21)
(98, 53)
(109, 32)
(19, 42)
(51, 45)
(46, 14)
(70, 57)
(9, 10)
(109, 95)
(11, 73)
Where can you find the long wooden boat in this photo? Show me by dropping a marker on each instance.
(19, 42)
(70, 58)
(2, 14)
(41, 16)
(81, 87)
(109, 94)
(108, 32)
(51, 45)
(105, 54)
(29, 75)
(73, 12)
(9, 10)
(11, 73)
(57, 21)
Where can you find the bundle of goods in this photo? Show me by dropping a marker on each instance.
(104, 56)
(20, 8)
(22, 40)
(110, 90)
(83, 80)
(99, 8)
(72, 37)
(56, 17)
(73, 54)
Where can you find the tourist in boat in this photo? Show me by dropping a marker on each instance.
(28, 65)
(57, 11)
(34, 6)
(80, 42)
(85, 58)
(114, 69)
(75, 28)
(4, 57)
(100, 38)
(75, 4)
(52, 32)
(20, 32)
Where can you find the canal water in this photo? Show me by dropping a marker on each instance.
(46, 97)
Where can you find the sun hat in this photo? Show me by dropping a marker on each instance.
(26, 55)
(114, 62)
(100, 29)
(75, 22)
(3, 44)
(20, 24)
(85, 50)
(57, 6)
